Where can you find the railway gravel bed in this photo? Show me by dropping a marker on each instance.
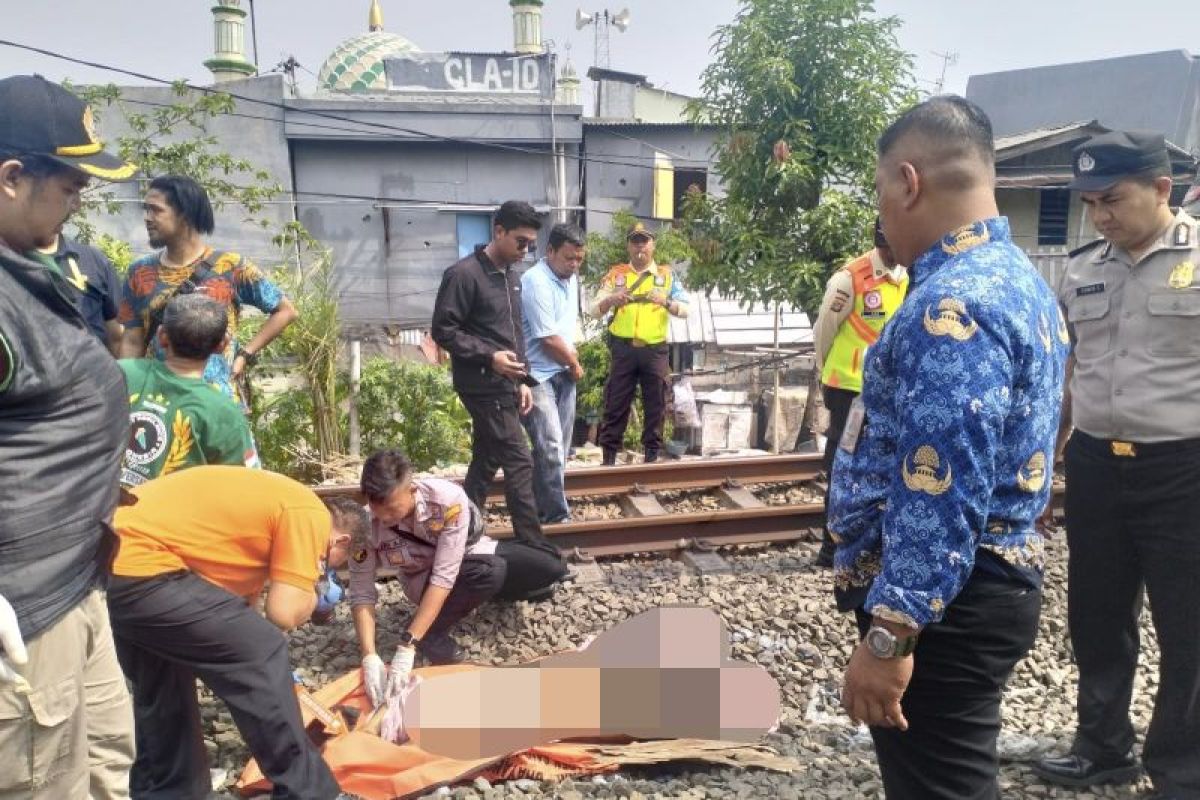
(780, 613)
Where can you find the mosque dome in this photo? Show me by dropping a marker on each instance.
(356, 65)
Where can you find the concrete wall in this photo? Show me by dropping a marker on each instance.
(629, 183)
(1154, 91)
(256, 136)
(390, 259)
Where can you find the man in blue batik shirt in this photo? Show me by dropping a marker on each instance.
(946, 464)
(550, 312)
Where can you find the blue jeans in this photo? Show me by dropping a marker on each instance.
(550, 424)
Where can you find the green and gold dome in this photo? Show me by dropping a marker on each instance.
(356, 65)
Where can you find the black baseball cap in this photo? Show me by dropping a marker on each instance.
(1103, 160)
(39, 117)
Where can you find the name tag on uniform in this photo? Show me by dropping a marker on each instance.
(1091, 288)
(854, 424)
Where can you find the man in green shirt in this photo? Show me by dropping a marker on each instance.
(176, 419)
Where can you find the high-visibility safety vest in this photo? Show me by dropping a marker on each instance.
(640, 320)
(875, 300)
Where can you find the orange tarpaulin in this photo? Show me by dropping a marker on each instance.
(366, 765)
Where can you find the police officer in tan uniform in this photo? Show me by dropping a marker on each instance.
(859, 300)
(1132, 302)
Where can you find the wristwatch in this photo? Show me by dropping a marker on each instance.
(408, 640)
(249, 356)
(884, 644)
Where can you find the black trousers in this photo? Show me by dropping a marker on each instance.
(498, 440)
(172, 629)
(953, 701)
(648, 367)
(513, 573)
(1134, 522)
(837, 403)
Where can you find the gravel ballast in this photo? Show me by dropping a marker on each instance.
(780, 613)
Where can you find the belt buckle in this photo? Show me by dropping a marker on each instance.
(1122, 449)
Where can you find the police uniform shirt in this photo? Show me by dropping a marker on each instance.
(961, 396)
(426, 548)
(838, 302)
(1136, 331)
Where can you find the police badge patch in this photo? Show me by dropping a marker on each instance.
(1181, 275)
(360, 555)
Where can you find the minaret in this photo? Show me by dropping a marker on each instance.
(229, 43)
(375, 19)
(568, 85)
(527, 26)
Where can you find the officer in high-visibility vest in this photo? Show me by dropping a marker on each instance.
(644, 295)
(859, 299)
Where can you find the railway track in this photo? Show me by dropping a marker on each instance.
(690, 474)
(647, 527)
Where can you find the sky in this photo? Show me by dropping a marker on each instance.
(668, 40)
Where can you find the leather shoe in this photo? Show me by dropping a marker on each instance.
(1075, 770)
(441, 650)
(825, 555)
(610, 458)
(651, 456)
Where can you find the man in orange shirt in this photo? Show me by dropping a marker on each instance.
(196, 550)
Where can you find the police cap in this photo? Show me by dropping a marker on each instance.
(639, 231)
(1103, 160)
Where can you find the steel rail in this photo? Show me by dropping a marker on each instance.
(660, 476)
(674, 532)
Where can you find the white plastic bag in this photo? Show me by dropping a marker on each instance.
(686, 413)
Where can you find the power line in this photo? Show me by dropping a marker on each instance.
(321, 114)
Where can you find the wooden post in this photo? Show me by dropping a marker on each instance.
(355, 381)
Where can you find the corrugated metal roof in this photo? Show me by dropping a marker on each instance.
(1017, 139)
(728, 323)
(597, 122)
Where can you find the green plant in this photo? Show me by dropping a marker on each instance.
(606, 250)
(283, 427)
(414, 407)
(800, 90)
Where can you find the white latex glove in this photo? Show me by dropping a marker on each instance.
(374, 679)
(12, 646)
(402, 665)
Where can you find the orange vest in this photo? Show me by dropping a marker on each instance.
(875, 301)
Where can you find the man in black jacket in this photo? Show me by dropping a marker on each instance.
(477, 319)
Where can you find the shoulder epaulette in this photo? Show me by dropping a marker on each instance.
(1089, 246)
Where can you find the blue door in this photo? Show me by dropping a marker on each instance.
(473, 229)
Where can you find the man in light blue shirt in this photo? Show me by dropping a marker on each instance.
(550, 305)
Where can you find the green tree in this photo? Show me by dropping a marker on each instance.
(801, 90)
(173, 138)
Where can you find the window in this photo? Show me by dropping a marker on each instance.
(685, 179)
(1052, 216)
(473, 229)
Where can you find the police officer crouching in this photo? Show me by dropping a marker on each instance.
(1132, 303)
(429, 531)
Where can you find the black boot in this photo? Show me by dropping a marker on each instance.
(651, 456)
(440, 649)
(610, 458)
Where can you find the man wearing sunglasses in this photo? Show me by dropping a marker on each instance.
(477, 319)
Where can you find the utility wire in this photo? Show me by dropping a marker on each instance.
(320, 114)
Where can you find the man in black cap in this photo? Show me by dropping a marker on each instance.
(1132, 302)
(64, 420)
(642, 296)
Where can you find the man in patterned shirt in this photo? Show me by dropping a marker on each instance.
(935, 495)
(177, 215)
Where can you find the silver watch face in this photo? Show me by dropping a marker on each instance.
(881, 642)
